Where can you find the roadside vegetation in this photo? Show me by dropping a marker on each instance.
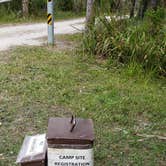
(11, 12)
(39, 82)
(138, 41)
(12, 17)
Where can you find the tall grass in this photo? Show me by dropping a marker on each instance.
(127, 41)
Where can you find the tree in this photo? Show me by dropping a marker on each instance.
(145, 4)
(142, 8)
(133, 2)
(90, 15)
(25, 8)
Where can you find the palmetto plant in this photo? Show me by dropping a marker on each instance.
(128, 41)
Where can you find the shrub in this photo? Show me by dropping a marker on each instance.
(65, 5)
(38, 6)
(126, 41)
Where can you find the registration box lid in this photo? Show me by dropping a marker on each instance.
(33, 151)
(59, 131)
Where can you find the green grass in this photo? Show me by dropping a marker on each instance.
(8, 18)
(38, 83)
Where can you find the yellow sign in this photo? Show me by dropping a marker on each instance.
(49, 19)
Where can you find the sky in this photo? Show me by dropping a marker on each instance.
(1, 1)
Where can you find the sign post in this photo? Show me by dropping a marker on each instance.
(50, 21)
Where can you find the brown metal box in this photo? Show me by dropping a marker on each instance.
(59, 132)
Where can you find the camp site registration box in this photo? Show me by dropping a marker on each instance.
(70, 144)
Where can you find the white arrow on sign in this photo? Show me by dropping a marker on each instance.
(1, 1)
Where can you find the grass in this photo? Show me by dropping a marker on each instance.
(59, 15)
(38, 83)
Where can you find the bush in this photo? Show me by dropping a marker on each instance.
(129, 41)
(65, 5)
(7, 12)
(38, 7)
(15, 5)
(79, 6)
(9, 7)
(71, 5)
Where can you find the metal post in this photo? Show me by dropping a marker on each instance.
(50, 21)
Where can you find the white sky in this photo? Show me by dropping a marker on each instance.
(1, 1)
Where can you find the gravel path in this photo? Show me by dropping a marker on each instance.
(31, 34)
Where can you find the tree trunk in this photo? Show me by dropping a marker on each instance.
(118, 4)
(142, 8)
(90, 16)
(25, 8)
(132, 8)
(145, 7)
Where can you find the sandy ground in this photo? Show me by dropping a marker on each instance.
(32, 34)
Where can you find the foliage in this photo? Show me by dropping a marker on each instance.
(71, 5)
(38, 7)
(16, 17)
(14, 5)
(65, 5)
(8, 15)
(126, 40)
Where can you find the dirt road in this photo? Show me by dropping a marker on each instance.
(32, 34)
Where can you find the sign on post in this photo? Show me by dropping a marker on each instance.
(50, 21)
